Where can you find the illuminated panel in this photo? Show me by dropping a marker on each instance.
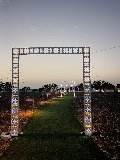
(15, 93)
(87, 92)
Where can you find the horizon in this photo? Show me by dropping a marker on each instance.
(64, 83)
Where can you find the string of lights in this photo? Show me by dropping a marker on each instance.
(106, 49)
(99, 51)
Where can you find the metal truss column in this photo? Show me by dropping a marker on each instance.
(15, 93)
(87, 92)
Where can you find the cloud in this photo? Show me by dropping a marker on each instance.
(4, 1)
(32, 29)
(1, 1)
(29, 29)
(75, 27)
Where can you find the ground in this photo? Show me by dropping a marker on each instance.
(53, 134)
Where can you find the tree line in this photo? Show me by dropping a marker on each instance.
(100, 85)
(97, 85)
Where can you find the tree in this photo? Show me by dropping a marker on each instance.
(107, 85)
(97, 85)
(41, 89)
(54, 87)
(118, 86)
(48, 88)
(6, 86)
(111, 86)
(102, 85)
(79, 87)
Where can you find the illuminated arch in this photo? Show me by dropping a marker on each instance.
(16, 52)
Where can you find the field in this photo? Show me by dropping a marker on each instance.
(53, 134)
(105, 119)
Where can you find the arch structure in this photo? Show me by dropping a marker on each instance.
(17, 52)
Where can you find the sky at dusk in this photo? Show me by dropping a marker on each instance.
(60, 23)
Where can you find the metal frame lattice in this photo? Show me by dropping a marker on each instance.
(16, 52)
(87, 92)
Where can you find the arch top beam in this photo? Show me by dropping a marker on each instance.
(51, 50)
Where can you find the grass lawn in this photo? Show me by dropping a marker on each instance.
(53, 134)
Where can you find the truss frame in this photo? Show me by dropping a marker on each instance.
(17, 52)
